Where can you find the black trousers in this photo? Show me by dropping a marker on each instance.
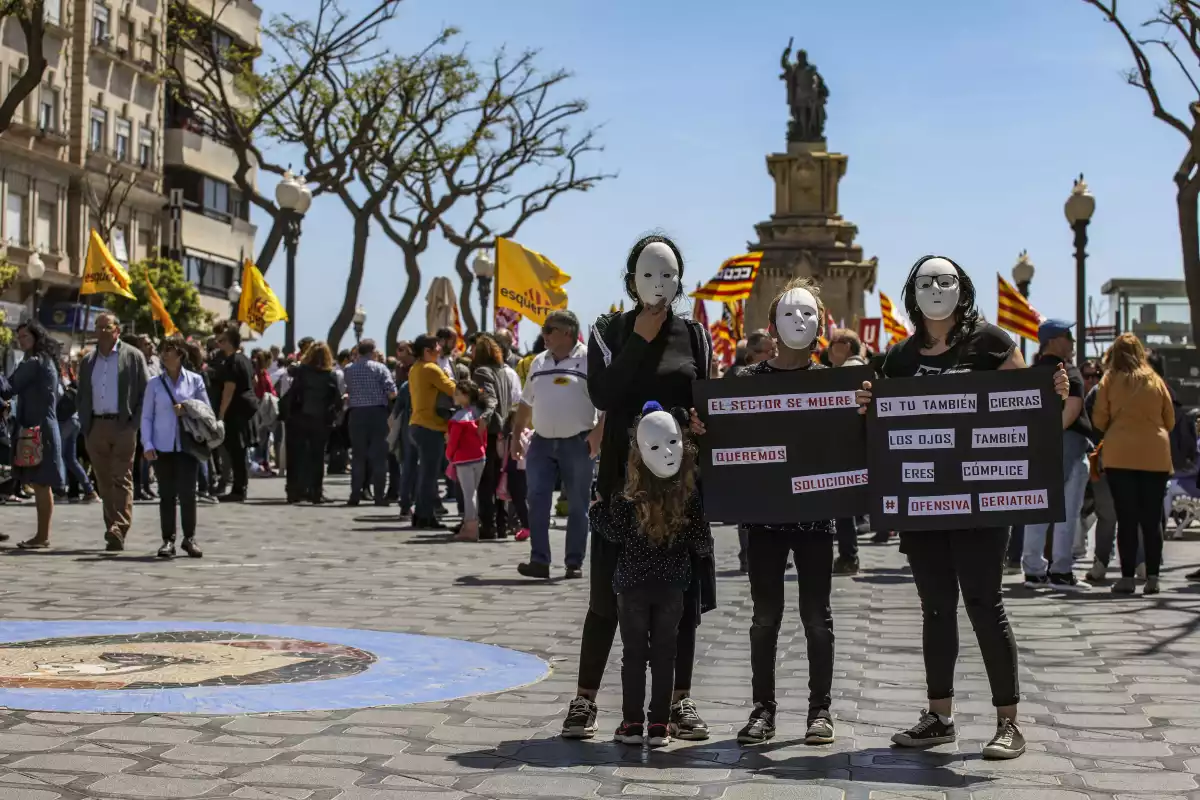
(307, 438)
(493, 518)
(767, 554)
(847, 537)
(1138, 500)
(600, 624)
(971, 561)
(649, 618)
(237, 437)
(177, 474)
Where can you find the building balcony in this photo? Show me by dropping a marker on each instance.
(193, 148)
(139, 58)
(242, 18)
(215, 233)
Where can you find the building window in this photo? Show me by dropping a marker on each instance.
(14, 219)
(221, 42)
(146, 148)
(130, 35)
(48, 109)
(52, 12)
(210, 276)
(98, 130)
(124, 132)
(19, 114)
(100, 34)
(216, 196)
(46, 237)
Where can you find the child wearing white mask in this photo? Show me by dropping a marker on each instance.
(658, 522)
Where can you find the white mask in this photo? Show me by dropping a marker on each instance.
(660, 441)
(796, 319)
(940, 299)
(656, 274)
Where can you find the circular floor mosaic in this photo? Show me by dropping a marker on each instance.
(236, 668)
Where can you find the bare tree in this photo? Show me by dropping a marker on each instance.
(512, 126)
(225, 92)
(105, 203)
(1176, 29)
(30, 15)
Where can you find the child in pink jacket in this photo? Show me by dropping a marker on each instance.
(466, 450)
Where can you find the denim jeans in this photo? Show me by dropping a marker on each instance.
(546, 461)
(431, 450)
(1075, 476)
(408, 470)
(69, 430)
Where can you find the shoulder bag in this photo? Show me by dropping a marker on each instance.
(29, 450)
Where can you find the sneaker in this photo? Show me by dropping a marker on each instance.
(208, 499)
(1151, 586)
(581, 719)
(522, 535)
(686, 723)
(1124, 586)
(1012, 567)
(659, 735)
(1037, 581)
(1007, 743)
(820, 729)
(630, 733)
(533, 569)
(1193, 576)
(881, 537)
(1067, 582)
(1098, 573)
(761, 725)
(930, 731)
(91, 497)
(573, 573)
(845, 566)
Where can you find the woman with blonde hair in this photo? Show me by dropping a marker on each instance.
(1134, 409)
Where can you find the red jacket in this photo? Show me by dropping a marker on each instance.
(465, 442)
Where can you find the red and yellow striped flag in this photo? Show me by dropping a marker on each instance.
(699, 312)
(733, 281)
(724, 345)
(737, 316)
(1014, 312)
(893, 326)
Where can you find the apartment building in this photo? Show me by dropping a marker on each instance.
(103, 139)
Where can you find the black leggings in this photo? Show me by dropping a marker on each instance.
(943, 563)
(493, 517)
(649, 617)
(1138, 499)
(177, 473)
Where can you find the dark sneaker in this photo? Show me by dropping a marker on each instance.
(928, 732)
(573, 573)
(1151, 586)
(1007, 743)
(760, 727)
(1124, 586)
(845, 566)
(881, 537)
(1067, 582)
(581, 719)
(820, 729)
(1037, 581)
(113, 543)
(630, 733)
(1193, 576)
(533, 569)
(659, 735)
(686, 723)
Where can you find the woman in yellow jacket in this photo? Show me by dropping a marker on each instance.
(1134, 409)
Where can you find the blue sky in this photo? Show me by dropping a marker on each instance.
(964, 122)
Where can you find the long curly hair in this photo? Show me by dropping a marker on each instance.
(966, 315)
(661, 504)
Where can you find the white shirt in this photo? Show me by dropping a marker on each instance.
(447, 366)
(557, 391)
(105, 386)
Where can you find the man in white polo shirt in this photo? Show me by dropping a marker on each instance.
(565, 441)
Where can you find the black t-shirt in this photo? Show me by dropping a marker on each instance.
(985, 348)
(1082, 424)
(765, 368)
(237, 370)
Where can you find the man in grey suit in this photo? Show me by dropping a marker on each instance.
(112, 383)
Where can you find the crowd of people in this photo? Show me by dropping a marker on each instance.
(609, 426)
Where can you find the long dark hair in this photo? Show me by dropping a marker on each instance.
(487, 353)
(43, 345)
(631, 266)
(966, 316)
(661, 504)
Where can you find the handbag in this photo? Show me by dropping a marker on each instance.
(29, 449)
(188, 444)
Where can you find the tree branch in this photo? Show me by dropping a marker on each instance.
(31, 17)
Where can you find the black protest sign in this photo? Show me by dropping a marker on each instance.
(784, 447)
(966, 450)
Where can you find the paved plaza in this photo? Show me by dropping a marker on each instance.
(1112, 708)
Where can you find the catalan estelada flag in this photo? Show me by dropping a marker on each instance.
(724, 345)
(733, 281)
(1014, 312)
(158, 309)
(699, 312)
(893, 326)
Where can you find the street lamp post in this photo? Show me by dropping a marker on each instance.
(234, 295)
(35, 269)
(294, 199)
(1022, 273)
(485, 270)
(360, 320)
(1079, 208)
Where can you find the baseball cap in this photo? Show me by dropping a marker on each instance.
(1052, 329)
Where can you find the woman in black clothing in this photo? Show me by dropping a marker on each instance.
(487, 369)
(236, 407)
(950, 337)
(313, 402)
(645, 354)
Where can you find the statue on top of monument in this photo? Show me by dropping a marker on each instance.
(806, 93)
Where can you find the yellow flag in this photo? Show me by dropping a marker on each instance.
(528, 282)
(158, 310)
(259, 307)
(101, 272)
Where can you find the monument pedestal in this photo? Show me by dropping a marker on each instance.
(806, 236)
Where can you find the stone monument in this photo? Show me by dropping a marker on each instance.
(806, 235)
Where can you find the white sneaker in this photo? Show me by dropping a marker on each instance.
(1098, 573)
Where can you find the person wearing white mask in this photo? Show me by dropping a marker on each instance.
(648, 353)
(657, 522)
(950, 337)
